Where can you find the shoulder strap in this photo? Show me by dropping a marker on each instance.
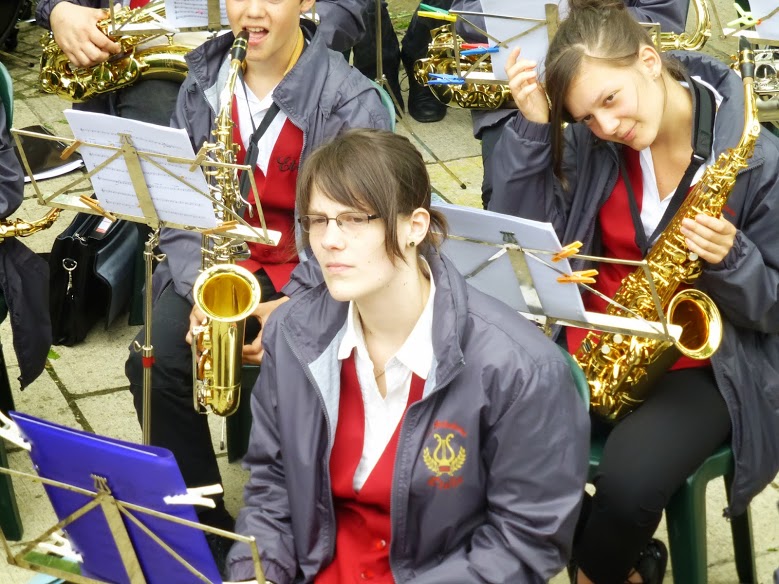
(253, 150)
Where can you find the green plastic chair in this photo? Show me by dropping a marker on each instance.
(387, 101)
(7, 95)
(686, 511)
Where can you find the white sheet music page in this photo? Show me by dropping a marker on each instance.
(174, 201)
(768, 28)
(525, 17)
(476, 240)
(191, 13)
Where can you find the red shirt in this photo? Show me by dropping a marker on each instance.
(363, 523)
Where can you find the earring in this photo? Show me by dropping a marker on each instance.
(412, 243)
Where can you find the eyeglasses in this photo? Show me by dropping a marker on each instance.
(351, 222)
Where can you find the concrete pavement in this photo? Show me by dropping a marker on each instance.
(85, 387)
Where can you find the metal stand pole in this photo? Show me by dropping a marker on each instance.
(147, 350)
(382, 81)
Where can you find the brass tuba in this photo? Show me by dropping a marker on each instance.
(225, 292)
(621, 369)
(164, 61)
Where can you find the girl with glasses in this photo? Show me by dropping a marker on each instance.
(406, 427)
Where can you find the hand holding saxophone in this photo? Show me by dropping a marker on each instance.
(709, 237)
(528, 93)
(253, 352)
(76, 32)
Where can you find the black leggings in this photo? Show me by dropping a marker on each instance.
(646, 458)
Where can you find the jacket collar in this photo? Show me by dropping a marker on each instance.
(209, 67)
(315, 324)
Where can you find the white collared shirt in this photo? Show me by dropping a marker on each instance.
(382, 415)
(652, 208)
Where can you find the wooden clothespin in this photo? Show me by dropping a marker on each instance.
(70, 150)
(567, 251)
(95, 206)
(226, 226)
(581, 277)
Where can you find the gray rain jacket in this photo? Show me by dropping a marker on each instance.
(322, 95)
(745, 285)
(506, 516)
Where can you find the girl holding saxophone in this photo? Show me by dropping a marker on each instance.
(607, 180)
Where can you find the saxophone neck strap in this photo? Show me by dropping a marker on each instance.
(703, 112)
(253, 150)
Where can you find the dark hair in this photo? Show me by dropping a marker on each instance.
(598, 30)
(377, 172)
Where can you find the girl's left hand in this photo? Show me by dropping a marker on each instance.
(709, 237)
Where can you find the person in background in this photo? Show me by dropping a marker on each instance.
(488, 125)
(633, 119)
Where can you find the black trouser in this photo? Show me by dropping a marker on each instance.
(646, 458)
(175, 424)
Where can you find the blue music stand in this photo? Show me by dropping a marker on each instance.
(113, 501)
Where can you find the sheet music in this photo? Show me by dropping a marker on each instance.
(533, 44)
(768, 28)
(498, 278)
(174, 201)
(192, 13)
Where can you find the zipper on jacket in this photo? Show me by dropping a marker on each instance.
(330, 506)
(396, 469)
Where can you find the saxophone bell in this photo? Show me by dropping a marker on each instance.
(227, 294)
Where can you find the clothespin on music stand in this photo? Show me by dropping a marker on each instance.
(580, 277)
(567, 251)
(427, 11)
(95, 206)
(221, 228)
(745, 19)
(11, 432)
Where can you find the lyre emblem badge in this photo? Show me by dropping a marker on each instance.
(446, 458)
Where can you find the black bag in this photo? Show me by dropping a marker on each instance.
(91, 265)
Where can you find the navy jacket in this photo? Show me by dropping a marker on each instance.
(510, 515)
(745, 285)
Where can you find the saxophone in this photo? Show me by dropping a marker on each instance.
(487, 92)
(21, 228)
(767, 84)
(225, 292)
(621, 369)
(166, 61)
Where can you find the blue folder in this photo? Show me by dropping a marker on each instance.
(142, 475)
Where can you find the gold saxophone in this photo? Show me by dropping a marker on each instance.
(166, 61)
(225, 292)
(21, 228)
(495, 94)
(621, 369)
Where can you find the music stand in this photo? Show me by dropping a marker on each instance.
(539, 14)
(522, 263)
(137, 188)
(124, 507)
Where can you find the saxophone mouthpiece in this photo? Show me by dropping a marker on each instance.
(238, 50)
(746, 58)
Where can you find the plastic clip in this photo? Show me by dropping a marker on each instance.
(60, 546)
(567, 251)
(444, 79)
(11, 432)
(581, 277)
(745, 19)
(195, 496)
(478, 51)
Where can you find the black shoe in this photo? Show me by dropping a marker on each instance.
(652, 562)
(422, 104)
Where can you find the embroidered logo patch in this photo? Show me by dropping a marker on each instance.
(447, 456)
